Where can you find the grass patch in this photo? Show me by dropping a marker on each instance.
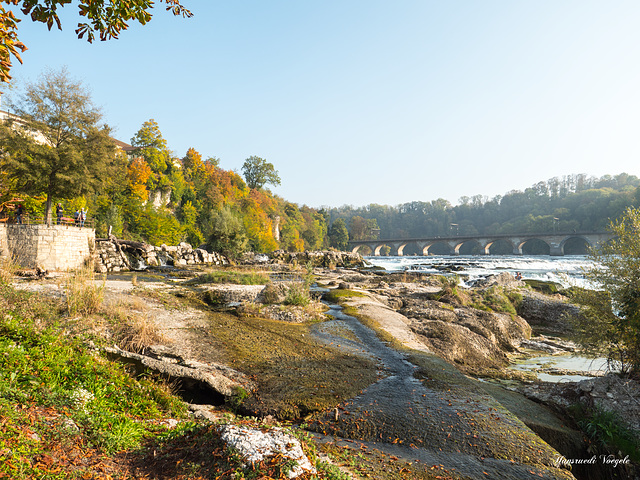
(337, 295)
(493, 299)
(95, 403)
(231, 276)
(131, 326)
(8, 268)
(549, 288)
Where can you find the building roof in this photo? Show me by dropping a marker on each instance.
(124, 146)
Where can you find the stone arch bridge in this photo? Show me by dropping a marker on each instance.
(555, 241)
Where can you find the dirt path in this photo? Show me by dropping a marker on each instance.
(429, 413)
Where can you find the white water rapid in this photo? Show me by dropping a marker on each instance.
(567, 270)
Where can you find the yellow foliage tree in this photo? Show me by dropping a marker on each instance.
(138, 172)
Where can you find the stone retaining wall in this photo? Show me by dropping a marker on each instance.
(115, 256)
(54, 247)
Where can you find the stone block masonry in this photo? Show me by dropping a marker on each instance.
(54, 247)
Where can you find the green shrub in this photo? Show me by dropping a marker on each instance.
(498, 301)
(607, 431)
(238, 397)
(298, 294)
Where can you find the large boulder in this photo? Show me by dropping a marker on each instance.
(547, 313)
(471, 338)
(324, 259)
(228, 293)
(256, 444)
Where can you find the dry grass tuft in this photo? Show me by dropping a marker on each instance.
(8, 268)
(84, 295)
(132, 329)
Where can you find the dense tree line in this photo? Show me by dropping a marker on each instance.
(56, 151)
(567, 204)
(168, 200)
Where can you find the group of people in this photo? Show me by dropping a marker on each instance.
(79, 217)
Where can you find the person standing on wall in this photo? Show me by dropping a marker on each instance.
(76, 218)
(83, 217)
(59, 213)
(19, 213)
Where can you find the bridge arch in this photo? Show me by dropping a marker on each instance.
(499, 246)
(468, 247)
(411, 247)
(363, 246)
(575, 245)
(438, 247)
(363, 249)
(382, 249)
(534, 246)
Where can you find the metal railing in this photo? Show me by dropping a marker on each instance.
(41, 220)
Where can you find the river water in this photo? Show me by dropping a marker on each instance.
(567, 270)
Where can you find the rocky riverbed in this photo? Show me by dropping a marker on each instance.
(407, 373)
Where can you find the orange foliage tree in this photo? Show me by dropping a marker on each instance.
(138, 173)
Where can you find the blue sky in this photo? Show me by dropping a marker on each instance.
(368, 101)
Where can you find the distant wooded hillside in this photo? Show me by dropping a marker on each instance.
(570, 203)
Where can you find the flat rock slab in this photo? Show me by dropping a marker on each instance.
(426, 407)
(220, 378)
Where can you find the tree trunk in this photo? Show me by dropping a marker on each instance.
(47, 212)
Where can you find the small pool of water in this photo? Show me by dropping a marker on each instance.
(575, 367)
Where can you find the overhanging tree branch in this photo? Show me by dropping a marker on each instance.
(106, 18)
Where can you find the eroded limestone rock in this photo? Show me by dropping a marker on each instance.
(255, 445)
(113, 255)
(220, 379)
(546, 313)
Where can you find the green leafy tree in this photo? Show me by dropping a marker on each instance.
(145, 223)
(227, 234)
(57, 148)
(363, 229)
(609, 323)
(104, 18)
(152, 147)
(339, 235)
(258, 172)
